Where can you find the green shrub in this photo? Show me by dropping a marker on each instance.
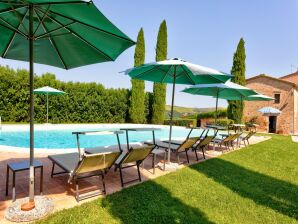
(221, 122)
(83, 103)
(252, 120)
(211, 114)
(182, 122)
(191, 116)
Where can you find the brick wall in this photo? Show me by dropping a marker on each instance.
(296, 110)
(291, 78)
(270, 86)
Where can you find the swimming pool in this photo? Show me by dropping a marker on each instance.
(61, 137)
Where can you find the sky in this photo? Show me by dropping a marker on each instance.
(199, 31)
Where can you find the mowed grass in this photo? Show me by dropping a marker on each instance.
(257, 184)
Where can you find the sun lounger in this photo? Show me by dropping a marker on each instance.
(88, 166)
(133, 157)
(227, 141)
(177, 149)
(179, 142)
(245, 138)
(202, 145)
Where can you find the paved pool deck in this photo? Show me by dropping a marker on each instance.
(62, 194)
(295, 138)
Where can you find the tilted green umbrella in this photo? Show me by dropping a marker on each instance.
(61, 33)
(46, 90)
(257, 97)
(176, 71)
(220, 90)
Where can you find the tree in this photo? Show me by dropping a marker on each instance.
(159, 89)
(138, 96)
(235, 108)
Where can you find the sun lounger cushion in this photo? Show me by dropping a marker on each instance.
(165, 145)
(176, 142)
(102, 149)
(125, 152)
(96, 162)
(111, 148)
(67, 161)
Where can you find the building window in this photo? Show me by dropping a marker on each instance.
(277, 98)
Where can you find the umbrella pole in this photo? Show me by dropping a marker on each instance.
(31, 204)
(47, 108)
(216, 106)
(171, 118)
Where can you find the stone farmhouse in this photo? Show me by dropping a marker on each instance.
(284, 90)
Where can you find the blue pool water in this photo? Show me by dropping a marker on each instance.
(58, 139)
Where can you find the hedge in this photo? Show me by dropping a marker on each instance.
(83, 103)
(211, 114)
(221, 122)
(182, 122)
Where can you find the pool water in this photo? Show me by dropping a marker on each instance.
(64, 139)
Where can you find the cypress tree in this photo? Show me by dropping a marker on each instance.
(159, 89)
(235, 108)
(137, 98)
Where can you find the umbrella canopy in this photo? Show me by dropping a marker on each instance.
(67, 33)
(176, 71)
(46, 90)
(270, 111)
(220, 90)
(257, 97)
(61, 33)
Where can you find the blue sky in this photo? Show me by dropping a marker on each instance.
(199, 31)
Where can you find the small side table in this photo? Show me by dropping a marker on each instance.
(21, 166)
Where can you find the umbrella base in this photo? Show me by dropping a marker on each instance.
(15, 213)
(28, 206)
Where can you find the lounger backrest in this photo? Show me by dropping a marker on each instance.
(229, 138)
(188, 143)
(137, 154)
(251, 133)
(236, 136)
(95, 162)
(205, 141)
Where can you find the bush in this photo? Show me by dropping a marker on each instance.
(211, 114)
(221, 122)
(83, 103)
(252, 120)
(182, 122)
(191, 116)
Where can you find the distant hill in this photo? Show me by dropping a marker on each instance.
(187, 111)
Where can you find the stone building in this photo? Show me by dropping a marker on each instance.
(284, 90)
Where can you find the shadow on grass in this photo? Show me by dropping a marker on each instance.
(151, 203)
(264, 190)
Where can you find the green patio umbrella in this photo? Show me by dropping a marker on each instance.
(46, 90)
(257, 97)
(220, 90)
(61, 33)
(176, 71)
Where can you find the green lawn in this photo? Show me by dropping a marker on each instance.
(258, 184)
